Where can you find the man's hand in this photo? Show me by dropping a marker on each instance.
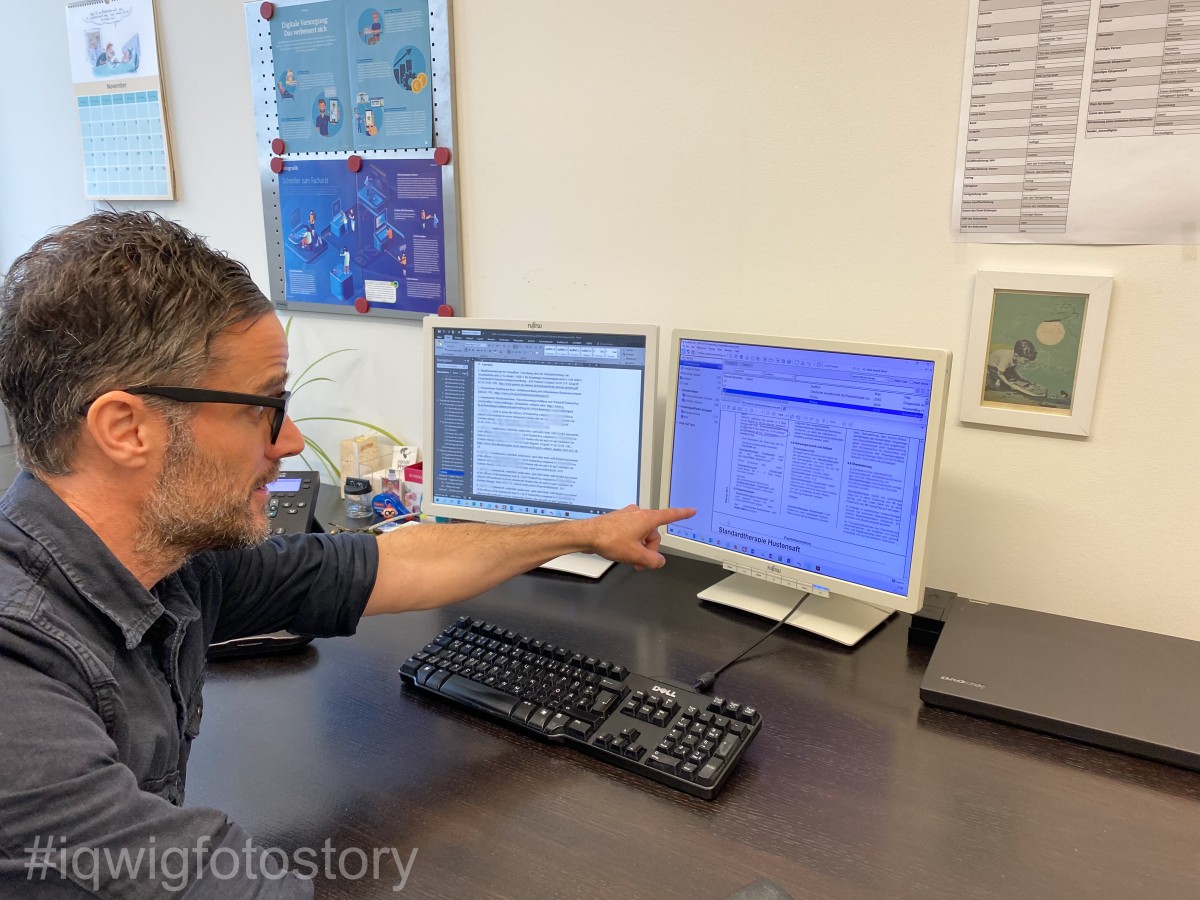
(630, 535)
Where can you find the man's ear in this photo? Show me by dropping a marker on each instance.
(125, 430)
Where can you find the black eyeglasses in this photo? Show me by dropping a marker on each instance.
(202, 395)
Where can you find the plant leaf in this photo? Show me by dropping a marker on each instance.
(335, 475)
(299, 378)
(310, 381)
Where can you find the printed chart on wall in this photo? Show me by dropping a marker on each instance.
(119, 100)
(377, 234)
(1080, 123)
(351, 76)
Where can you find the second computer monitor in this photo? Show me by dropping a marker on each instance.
(535, 421)
(812, 466)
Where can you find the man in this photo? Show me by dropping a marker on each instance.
(145, 377)
(322, 121)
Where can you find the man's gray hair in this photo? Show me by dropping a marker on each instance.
(118, 300)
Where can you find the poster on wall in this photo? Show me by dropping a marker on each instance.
(1079, 123)
(352, 76)
(378, 233)
(113, 52)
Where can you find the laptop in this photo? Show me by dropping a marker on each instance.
(1118, 688)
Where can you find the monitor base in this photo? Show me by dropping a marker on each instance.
(586, 564)
(837, 618)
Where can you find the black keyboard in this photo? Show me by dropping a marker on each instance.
(683, 740)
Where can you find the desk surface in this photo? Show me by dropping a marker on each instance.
(853, 789)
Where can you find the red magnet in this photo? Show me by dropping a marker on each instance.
(267, 10)
(354, 163)
(276, 165)
(446, 310)
(362, 305)
(441, 156)
(277, 145)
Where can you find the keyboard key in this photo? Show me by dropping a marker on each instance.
(557, 724)
(727, 746)
(604, 700)
(540, 717)
(580, 729)
(707, 774)
(663, 762)
(474, 694)
(523, 711)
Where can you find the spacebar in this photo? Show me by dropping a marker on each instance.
(475, 694)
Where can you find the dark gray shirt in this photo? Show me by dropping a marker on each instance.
(100, 694)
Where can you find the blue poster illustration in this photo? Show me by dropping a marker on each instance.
(311, 79)
(350, 76)
(389, 57)
(377, 234)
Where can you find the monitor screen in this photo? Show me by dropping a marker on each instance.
(811, 463)
(529, 421)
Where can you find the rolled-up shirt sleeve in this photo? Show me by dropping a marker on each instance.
(314, 584)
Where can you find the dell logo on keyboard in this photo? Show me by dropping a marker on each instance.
(661, 690)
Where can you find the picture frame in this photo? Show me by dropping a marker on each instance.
(1033, 353)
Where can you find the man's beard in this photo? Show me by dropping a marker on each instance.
(193, 506)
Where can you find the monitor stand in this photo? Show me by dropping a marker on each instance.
(837, 618)
(586, 564)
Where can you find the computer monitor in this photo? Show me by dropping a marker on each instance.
(812, 466)
(531, 422)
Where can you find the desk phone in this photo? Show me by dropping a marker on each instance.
(293, 501)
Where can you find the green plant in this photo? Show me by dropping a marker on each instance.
(303, 380)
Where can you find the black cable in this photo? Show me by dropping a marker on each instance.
(705, 682)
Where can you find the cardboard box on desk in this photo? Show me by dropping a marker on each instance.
(414, 478)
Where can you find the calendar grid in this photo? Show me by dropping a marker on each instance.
(124, 145)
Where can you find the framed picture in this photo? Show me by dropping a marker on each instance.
(1033, 355)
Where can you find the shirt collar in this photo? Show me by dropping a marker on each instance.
(99, 577)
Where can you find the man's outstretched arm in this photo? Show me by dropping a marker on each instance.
(431, 565)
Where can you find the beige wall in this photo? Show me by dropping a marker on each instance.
(778, 167)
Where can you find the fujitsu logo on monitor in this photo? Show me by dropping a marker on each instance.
(534, 325)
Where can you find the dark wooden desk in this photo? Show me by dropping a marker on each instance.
(853, 790)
